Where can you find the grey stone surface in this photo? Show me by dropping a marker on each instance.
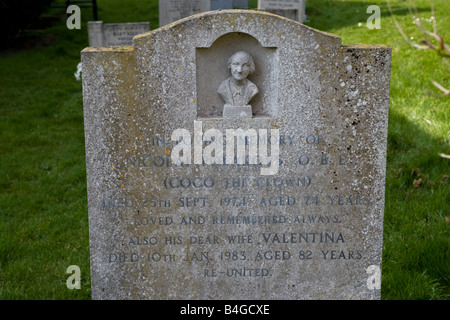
(114, 34)
(173, 10)
(240, 4)
(231, 111)
(292, 9)
(221, 4)
(216, 229)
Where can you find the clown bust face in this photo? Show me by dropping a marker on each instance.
(241, 65)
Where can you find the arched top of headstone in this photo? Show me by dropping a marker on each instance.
(269, 29)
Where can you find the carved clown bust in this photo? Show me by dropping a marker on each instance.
(237, 91)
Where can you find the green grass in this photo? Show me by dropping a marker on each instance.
(43, 204)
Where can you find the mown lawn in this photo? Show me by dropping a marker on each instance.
(43, 200)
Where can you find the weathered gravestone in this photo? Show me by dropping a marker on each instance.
(242, 4)
(229, 4)
(221, 4)
(292, 9)
(284, 203)
(114, 34)
(173, 10)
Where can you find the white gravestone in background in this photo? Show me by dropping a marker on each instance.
(114, 34)
(240, 4)
(292, 9)
(221, 4)
(173, 10)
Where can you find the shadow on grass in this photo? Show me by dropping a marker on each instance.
(415, 227)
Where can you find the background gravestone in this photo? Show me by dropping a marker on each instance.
(221, 4)
(229, 4)
(241, 4)
(114, 34)
(292, 9)
(311, 230)
(173, 10)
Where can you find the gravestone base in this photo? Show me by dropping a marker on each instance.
(230, 111)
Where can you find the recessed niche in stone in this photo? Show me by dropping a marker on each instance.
(212, 70)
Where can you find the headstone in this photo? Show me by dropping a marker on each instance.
(240, 4)
(292, 9)
(285, 203)
(229, 4)
(114, 34)
(221, 4)
(173, 10)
